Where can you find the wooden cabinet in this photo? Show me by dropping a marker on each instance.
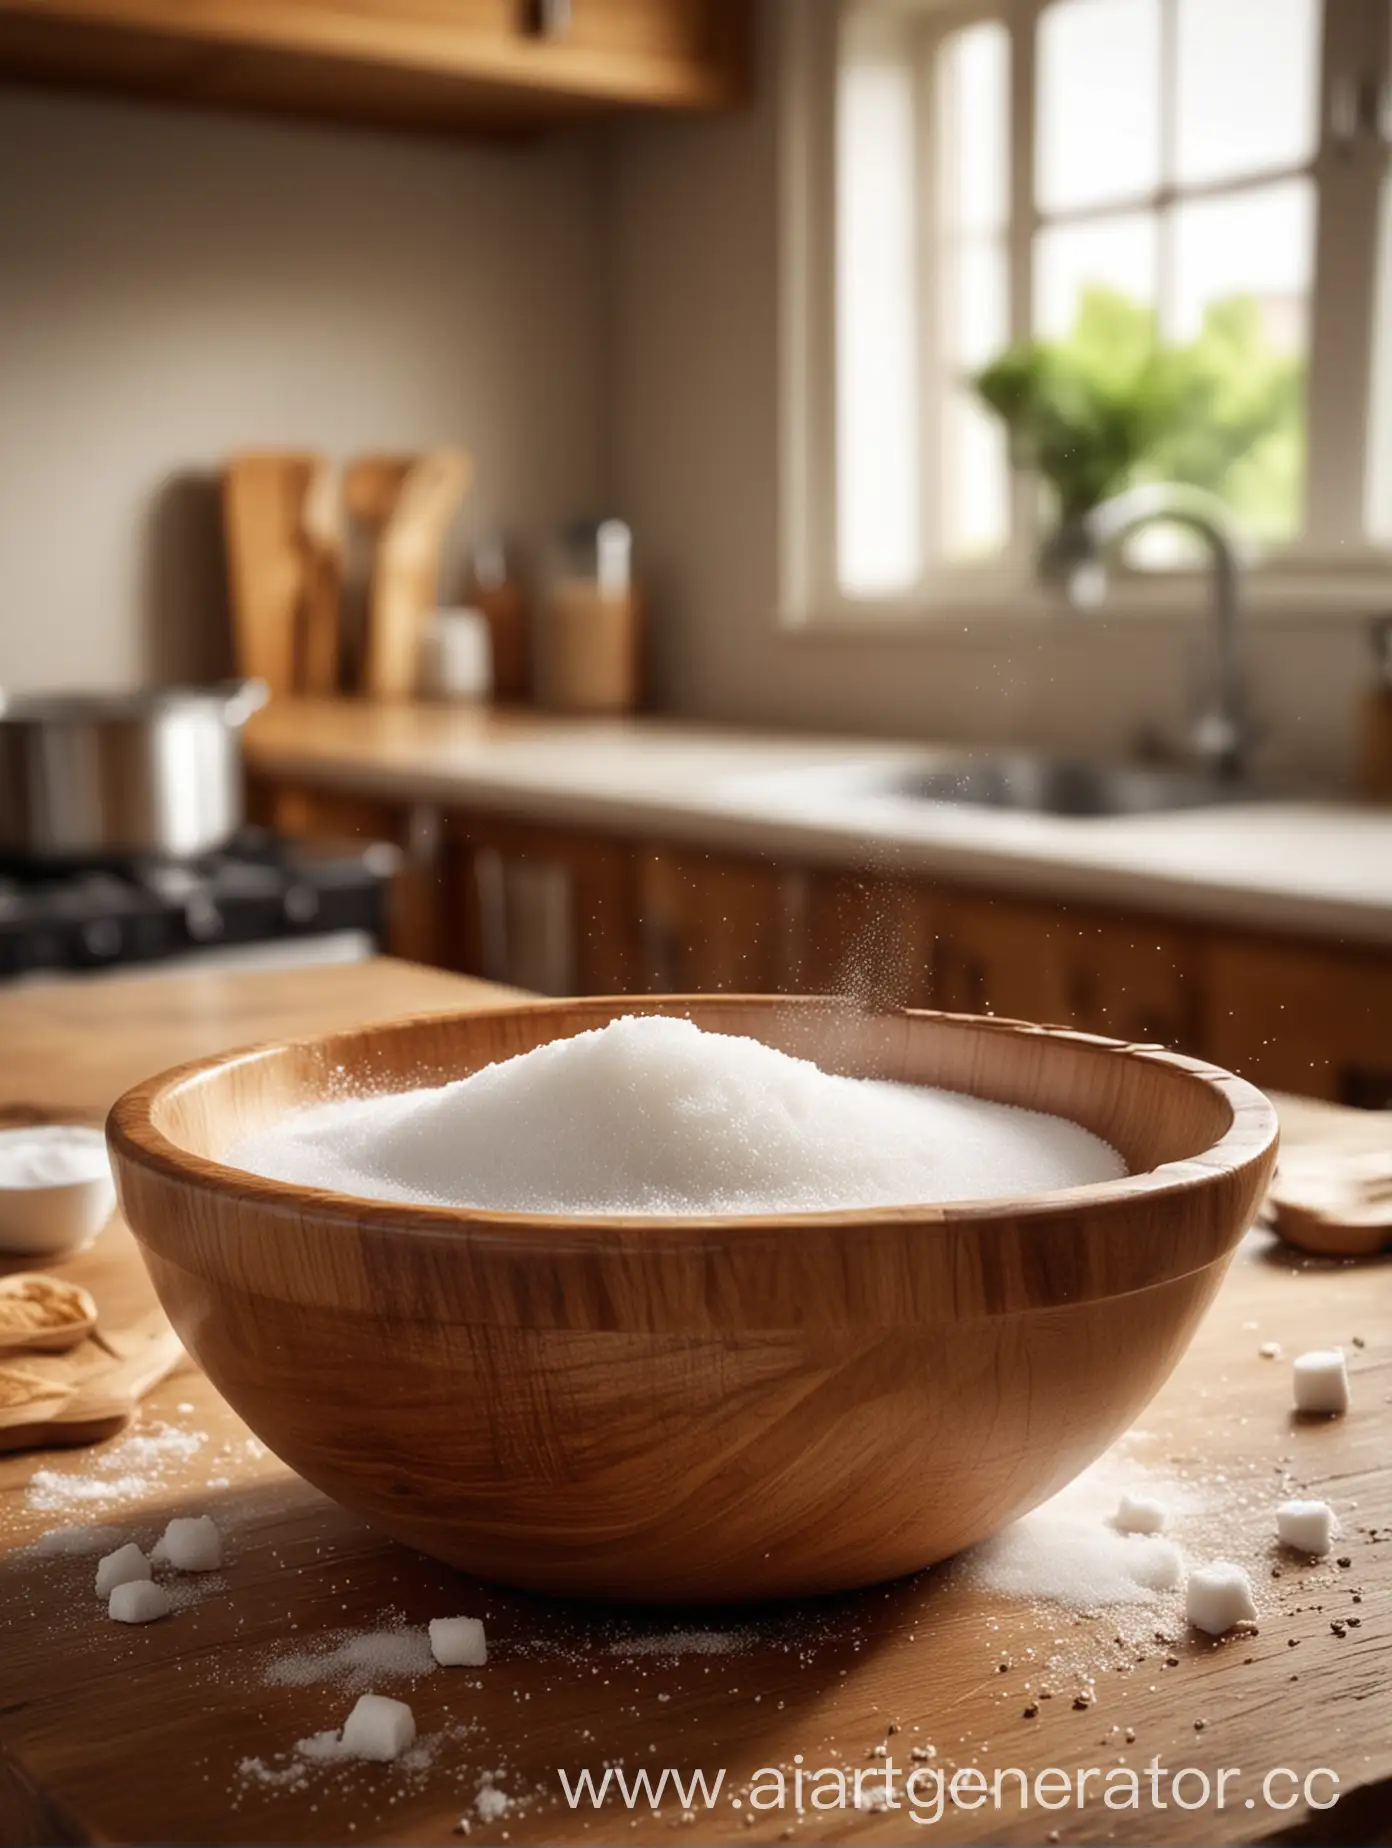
(545, 909)
(563, 911)
(1131, 978)
(1301, 1017)
(489, 65)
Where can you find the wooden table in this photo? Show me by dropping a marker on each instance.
(143, 1735)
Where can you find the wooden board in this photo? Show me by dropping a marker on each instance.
(140, 1735)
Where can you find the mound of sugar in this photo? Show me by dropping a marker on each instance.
(356, 1659)
(652, 1115)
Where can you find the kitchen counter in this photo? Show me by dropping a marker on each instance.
(1320, 869)
(184, 1731)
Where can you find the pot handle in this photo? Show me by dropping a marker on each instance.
(243, 697)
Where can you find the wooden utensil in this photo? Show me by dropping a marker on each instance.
(695, 1409)
(94, 1387)
(406, 570)
(371, 487)
(318, 650)
(282, 520)
(1334, 1201)
(79, 1313)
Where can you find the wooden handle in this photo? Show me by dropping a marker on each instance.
(406, 573)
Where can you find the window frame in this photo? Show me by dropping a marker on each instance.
(1332, 567)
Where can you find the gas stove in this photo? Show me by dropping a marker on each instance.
(297, 901)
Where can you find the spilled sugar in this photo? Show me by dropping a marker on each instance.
(652, 1115)
(684, 1642)
(126, 1470)
(355, 1659)
(76, 1542)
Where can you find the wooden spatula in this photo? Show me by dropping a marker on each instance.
(406, 570)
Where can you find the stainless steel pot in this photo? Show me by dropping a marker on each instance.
(93, 776)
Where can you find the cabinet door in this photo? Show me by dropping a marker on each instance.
(713, 922)
(862, 936)
(545, 909)
(1299, 1017)
(1101, 972)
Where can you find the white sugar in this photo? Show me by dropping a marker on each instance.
(75, 1542)
(379, 1728)
(138, 1601)
(652, 1115)
(683, 1642)
(1218, 1597)
(458, 1642)
(123, 1567)
(190, 1543)
(356, 1659)
(52, 1155)
(131, 1467)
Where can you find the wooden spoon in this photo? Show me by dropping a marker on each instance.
(1336, 1201)
(69, 1301)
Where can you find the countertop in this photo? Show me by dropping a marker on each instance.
(1315, 868)
(184, 1731)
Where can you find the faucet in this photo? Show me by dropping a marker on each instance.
(1222, 734)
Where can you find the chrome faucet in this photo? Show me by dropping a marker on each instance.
(1221, 735)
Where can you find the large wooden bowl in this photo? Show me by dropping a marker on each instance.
(695, 1409)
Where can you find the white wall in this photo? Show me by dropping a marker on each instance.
(176, 285)
(694, 351)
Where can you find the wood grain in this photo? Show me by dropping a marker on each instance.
(687, 1408)
(406, 569)
(285, 569)
(138, 1736)
(426, 64)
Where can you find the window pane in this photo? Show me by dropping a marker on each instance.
(1242, 271)
(877, 439)
(1257, 244)
(1099, 102)
(975, 472)
(974, 136)
(1118, 253)
(1248, 74)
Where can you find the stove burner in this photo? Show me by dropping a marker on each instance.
(260, 888)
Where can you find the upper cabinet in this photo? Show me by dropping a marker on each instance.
(456, 65)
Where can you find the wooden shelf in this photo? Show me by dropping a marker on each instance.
(443, 65)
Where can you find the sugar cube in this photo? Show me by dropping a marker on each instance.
(1270, 1350)
(139, 1601)
(491, 1804)
(1306, 1526)
(458, 1642)
(123, 1567)
(190, 1543)
(1140, 1514)
(379, 1728)
(1321, 1381)
(1218, 1596)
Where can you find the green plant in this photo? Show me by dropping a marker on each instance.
(1113, 404)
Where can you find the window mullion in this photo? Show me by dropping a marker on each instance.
(1343, 313)
(1023, 18)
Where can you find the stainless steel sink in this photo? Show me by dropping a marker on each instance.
(1067, 786)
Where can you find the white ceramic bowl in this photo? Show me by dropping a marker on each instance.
(56, 1190)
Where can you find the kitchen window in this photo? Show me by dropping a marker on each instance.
(1202, 179)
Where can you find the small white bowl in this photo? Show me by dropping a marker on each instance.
(56, 1190)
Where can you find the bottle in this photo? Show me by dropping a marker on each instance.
(496, 593)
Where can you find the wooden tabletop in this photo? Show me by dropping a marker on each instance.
(184, 1731)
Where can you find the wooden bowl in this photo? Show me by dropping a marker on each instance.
(695, 1409)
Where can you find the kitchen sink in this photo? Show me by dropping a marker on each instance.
(1065, 786)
